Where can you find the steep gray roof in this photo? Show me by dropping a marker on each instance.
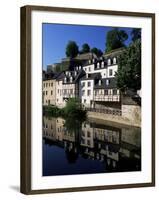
(112, 83)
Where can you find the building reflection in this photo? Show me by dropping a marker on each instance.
(118, 148)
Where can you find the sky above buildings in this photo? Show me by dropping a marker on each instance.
(56, 37)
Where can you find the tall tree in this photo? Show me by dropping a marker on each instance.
(129, 68)
(71, 49)
(136, 34)
(98, 52)
(115, 39)
(85, 48)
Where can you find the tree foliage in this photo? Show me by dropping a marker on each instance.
(85, 48)
(98, 52)
(136, 34)
(129, 68)
(72, 49)
(115, 39)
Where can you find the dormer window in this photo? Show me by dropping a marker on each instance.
(114, 60)
(109, 61)
(71, 79)
(100, 82)
(98, 65)
(65, 80)
(102, 64)
(107, 82)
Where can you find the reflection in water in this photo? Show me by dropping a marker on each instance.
(71, 147)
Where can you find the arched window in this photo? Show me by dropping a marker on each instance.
(98, 65)
(109, 61)
(102, 64)
(114, 60)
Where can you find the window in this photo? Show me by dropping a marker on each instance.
(51, 84)
(88, 134)
(107, 82)
(57, 100)
(114, 92)
(46, 92)
(71, 91)
(114, 61)
(96, 92)
(88, 142)
(88, 92)
(100, 82)
(46, 84)
(83, 84)
(89, 69)
(89, 84)
(83, 92)
(109, 61)
(58, 91)
(84, 100)
(105, 92)
(51, 92)
(110, 72)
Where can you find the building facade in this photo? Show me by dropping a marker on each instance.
(93, 82)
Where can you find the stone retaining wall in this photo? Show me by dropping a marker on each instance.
(131, 115)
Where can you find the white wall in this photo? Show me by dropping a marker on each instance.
(10, 104)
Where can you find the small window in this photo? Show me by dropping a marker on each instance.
(88, 92)
(51, 92)
(46, 92)
(88, 134)
(109, 61)
(89, 84)
(105, 92)
(107, 82)
(114, 92)
(114, 61)
(110, 72)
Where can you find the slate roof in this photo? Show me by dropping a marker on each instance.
(112, 83)
(92, 76)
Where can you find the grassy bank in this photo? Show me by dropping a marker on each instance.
(73, 109)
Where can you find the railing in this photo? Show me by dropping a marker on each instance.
(111, 111)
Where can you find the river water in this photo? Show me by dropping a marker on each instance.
(73, 147)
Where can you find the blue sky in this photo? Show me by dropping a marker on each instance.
(56, 37)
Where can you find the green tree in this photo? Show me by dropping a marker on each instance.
(136, 34)
(129, 68)
(72, 49)
(115, 39)
(98, 52)
(85, 48)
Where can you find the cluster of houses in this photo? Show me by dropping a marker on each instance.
(92, 81)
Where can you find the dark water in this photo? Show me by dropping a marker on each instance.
(73, 147)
